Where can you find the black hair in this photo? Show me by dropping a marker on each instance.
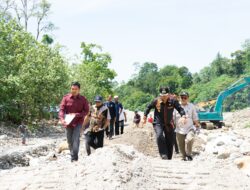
(164, 88)
(76, 84)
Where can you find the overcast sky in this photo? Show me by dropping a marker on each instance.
(181, 32)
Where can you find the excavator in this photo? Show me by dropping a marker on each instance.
(214, 117)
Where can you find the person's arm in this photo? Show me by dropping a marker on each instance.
(120, 111)
(62, 111)
(125, 116)
(107, 115)
(178, 107)
(181, 111)
(146, 112)
(195, 117)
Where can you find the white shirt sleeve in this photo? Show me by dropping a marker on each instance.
(108, 115)
(194, 113)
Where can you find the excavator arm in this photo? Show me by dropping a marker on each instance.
(216, 116)
(237, 86)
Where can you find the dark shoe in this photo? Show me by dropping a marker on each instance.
(164, 157)
(177, 152)
(184, 159)
(189, 158)
(74, 160)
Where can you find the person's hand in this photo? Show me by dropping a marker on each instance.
(197, 124)
(63, 122)
(197, 131)
(96, 128)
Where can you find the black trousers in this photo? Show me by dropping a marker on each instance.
(119, 126)
(121, 123)
(165, 140)
(94, 140)
(110, 130)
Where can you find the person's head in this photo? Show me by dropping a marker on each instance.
(184, 97)
(98, 101)
(164, 92)
(136, 112)
(75, 88)
(110, 98)
(116, 98)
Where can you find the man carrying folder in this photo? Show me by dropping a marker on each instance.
(73, 108)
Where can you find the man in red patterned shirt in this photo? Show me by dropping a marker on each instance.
(74, 107)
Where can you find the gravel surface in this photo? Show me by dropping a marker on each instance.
(130, 161)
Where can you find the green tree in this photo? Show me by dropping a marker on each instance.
(147, 78)
(33, 75)
(93, 73)
(238, 63)
(46, 39)
(219, 66)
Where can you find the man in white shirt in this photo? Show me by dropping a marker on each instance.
(122, 119)
(185, 132)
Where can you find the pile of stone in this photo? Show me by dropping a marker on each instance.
(115, 167)
(21, 156)
(239, 118)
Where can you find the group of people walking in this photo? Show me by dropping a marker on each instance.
(171, 115)
(78, 116)
(174, 118)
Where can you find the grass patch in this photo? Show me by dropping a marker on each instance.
(247, 125)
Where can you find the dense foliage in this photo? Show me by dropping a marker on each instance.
(202, 86)
(93, 72)
(35, 76)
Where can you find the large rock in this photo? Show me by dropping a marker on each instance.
(223, 145)
(22, 155)
(243, 164)
(62, 147)
(212, 136)
(224, 154)
(3, 137)
(238, 142)
(220, 143)
(245, 148)
(199, 144)
(13, 159)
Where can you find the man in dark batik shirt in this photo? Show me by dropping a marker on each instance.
(164, 106)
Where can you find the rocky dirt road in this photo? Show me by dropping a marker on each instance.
(131, 162)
